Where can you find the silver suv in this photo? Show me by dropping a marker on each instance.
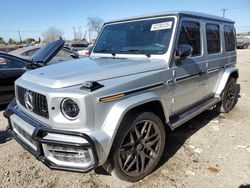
(145, 74)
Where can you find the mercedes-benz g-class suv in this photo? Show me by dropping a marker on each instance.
(145, 74)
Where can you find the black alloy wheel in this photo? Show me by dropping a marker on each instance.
(138, 147)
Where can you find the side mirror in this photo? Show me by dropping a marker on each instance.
(75, 56)
(184, 51)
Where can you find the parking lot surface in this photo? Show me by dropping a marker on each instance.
(212, 150)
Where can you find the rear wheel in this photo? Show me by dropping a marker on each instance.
(138, 147)
(229, 97)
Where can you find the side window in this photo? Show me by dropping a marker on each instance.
(213, 38)
(30, 52)
(3, 63)
(190, 34)
(229, 36)
(10, 63)
(63, 53)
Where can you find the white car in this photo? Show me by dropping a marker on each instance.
(86, 51)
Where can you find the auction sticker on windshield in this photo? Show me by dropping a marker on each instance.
(161, 26)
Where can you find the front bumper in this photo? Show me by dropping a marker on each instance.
(38, 138)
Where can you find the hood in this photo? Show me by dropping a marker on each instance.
(78, 71)
(47, 52)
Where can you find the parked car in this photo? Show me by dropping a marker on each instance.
(12, 67)
(63, 55)
(77, 46)
(87, 51)
(144, 75)
(243, 41)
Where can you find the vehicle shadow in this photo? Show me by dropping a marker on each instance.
(3, 107)
(4, 137)
(176, 139)
(244, 186)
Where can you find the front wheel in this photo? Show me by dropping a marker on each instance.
(245, 46)
(138, 146)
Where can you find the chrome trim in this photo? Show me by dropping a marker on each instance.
(212, 70)
(182, 78)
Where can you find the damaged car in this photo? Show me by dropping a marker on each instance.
(13, 66)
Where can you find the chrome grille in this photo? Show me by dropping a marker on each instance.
(39, 102)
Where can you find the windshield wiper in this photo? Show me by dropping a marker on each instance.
(137, 51)
(103, 50)
(106, 51)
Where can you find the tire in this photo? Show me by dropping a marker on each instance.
(229, 97)
(245, 46)
(137, 148)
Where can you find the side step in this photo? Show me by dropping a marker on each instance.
(187, 115)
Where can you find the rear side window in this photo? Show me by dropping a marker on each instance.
(190, 34)
(30, 52)
(229, 35)
(10, 63)
(213, 38)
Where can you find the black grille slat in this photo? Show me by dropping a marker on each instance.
(21, 92)
(40, 106)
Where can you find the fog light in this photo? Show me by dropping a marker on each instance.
(69, 154)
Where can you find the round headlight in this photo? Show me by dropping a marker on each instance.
(70, 109)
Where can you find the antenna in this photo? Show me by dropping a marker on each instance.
(19, 34)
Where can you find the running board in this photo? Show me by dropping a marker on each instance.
(187, 115)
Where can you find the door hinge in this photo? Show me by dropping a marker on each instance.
(173, 73)
(172, 100)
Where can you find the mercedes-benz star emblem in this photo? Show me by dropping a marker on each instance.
(28, 100)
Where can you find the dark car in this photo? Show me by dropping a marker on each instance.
(27, 52)
(12, 67)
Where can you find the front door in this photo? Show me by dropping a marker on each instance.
(10, 70)
(189, 74)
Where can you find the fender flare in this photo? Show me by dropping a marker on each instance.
(224, 79)
(115, 116)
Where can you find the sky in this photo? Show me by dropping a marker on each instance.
(33, 17)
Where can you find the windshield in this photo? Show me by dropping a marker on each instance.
(138, 37)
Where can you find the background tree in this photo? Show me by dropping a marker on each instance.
(11, 41)
(52, 33)
(2, 40)
(94, 25)
(30, 40)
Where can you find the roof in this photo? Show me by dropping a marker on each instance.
(179, 13)
(23, 49)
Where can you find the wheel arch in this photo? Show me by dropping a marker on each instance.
(229, 72)
(130, 105)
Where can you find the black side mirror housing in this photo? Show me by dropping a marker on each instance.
(184, 51)
(75, 56)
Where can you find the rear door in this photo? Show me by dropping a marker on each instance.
(189, 73)
(10, 69)
(216, 57)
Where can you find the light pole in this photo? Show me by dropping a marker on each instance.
(224, 11)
